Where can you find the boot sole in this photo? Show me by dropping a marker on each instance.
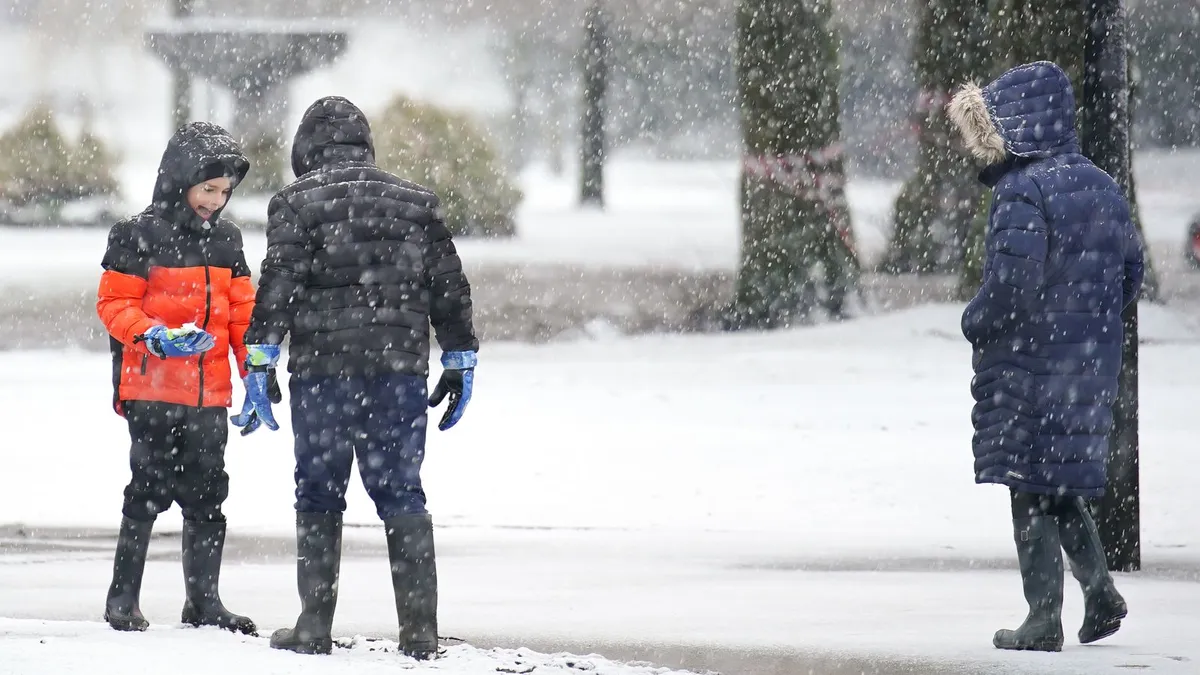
(1106, 629)
(283, 639)
(420, 653)
(311, 649)
(1035, 647)
(1007, 642)
(250, 628)
(127, 626)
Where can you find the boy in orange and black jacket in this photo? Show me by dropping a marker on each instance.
(175, 297)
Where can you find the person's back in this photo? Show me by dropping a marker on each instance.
(378, 263)
(1063, 263)
(358, 265)
(1088, 224)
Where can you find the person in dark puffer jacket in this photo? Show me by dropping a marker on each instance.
(1063, 261)
(175, 297)
(358, 265)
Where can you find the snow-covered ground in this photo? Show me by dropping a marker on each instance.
(53, 647)
(806, 492)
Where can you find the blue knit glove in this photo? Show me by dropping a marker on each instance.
(458, 376)
(260, 364)
(187, 340)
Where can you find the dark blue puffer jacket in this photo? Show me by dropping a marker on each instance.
(1063, 260)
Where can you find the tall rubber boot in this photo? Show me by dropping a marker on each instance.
(318, 562)
(1035, 531)
(121, 609)
(203, 547)
(414, 581)
(1103, 605)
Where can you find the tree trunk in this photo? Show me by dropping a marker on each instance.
(936, 206)
(795, 219)
(595, 84)
(181, 82)
(1106, 134)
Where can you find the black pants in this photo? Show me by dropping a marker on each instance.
(177, 455)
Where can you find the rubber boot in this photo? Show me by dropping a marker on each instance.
(203, 546)
(1035, 531)
(121, 609)
(414, 581)
(318, 561)
(1103, 605)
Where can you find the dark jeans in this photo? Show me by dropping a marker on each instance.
(177, 455)
(381, 420)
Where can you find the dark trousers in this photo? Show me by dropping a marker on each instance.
(177, 455)
(381, 420)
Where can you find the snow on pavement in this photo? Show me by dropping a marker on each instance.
(808, 491)
(55, 647)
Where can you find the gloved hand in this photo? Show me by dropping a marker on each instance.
(248, 419)
(262, 389)
(458, 375)
(187, 340)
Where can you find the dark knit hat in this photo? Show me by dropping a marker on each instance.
(217, 170)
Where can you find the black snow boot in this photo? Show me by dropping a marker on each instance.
(1038, 551)
(1103, 605)
(414, 581)
(121, 610)
(203, 546)
(318, 561)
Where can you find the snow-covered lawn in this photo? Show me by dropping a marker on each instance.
(807, 491)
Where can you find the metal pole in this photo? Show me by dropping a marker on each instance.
(1106, 142)
(181, 84)
(595, 85)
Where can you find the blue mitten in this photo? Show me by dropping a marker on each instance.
(458, 376)
(262, 389)
(187, 340)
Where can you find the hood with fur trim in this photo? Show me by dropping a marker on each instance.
(1028, 112)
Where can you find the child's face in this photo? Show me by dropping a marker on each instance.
(208, 197)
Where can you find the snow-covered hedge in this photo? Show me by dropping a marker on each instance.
(447, 153)
(40, 167)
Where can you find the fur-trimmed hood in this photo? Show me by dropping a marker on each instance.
(1028, 112)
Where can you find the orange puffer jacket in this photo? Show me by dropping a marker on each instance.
(167, 266)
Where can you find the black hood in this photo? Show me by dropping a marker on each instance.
(197, 152)
(332, 131)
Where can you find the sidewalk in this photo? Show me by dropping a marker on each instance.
(712, 605)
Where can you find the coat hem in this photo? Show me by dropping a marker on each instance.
(1034, 488)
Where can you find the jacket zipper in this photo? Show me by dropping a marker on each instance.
(145, 358)
(204, 324)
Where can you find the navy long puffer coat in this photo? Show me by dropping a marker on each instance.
(1063, 260)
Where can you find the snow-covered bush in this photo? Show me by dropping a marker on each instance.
(447, 153)
(41, 167)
